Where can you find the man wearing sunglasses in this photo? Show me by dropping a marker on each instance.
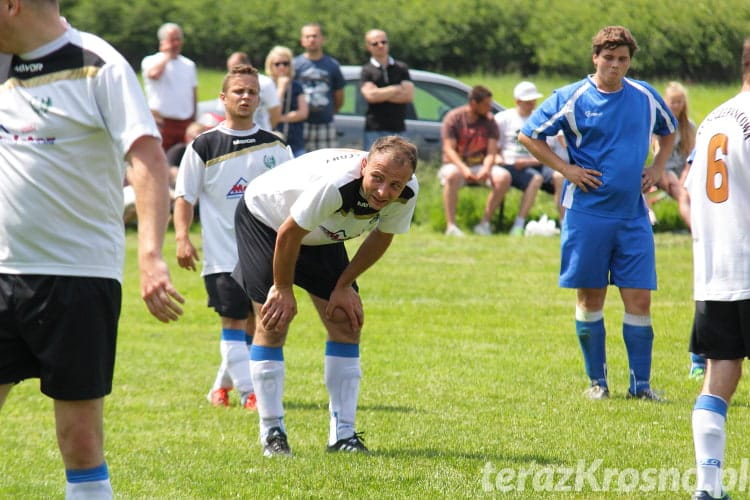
(387, 87)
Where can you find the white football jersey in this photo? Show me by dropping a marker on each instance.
(215, 170)
(322, 192)
(719, 188)
(69, 113)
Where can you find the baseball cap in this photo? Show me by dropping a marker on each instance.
(526, 91)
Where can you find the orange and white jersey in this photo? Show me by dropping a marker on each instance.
(719, 188)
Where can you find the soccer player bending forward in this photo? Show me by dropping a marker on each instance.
(291, 228)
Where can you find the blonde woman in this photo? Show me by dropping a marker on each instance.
(294, 109)
(676, 97)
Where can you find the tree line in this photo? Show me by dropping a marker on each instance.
(696, 41)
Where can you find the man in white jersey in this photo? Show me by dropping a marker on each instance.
(291, 230)
(171, 84)
(719, 189)
(71, 111)
(268, 112)
(216, 167)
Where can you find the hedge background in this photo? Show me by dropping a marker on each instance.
(695, 41)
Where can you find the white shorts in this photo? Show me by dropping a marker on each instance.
(449, 168)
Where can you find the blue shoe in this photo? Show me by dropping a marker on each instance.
(697, 372)
(703, 495)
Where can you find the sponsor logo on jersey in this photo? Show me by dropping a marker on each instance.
(363, 204)
(41, 105)
(269, 161)
(238, 188)
(237, 142)
(28, 68)
(339, 235)
(589, 114)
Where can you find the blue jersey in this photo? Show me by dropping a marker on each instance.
(609, 132)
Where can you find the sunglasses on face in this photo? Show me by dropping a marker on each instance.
(281, 63)
(381, 42)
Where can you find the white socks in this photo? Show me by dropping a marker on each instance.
(268, 380)
(342, 376)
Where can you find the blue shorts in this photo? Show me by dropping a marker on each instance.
(597, 251)
(520, 178)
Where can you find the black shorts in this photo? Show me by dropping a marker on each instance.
(721, 329)
(61, 329)
(226, 296)
(317, 270)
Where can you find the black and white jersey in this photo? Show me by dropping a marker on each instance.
(322, 192)
(215, 170)
(69, 113)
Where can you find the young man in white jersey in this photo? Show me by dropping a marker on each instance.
(719, 187)
(79, 108)
(215, 169)
(291, 228)
(606, 238)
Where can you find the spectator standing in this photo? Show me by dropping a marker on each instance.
(291, 228)
(608, 120)
(719, 187)
(469, 135)
(527, 174)
(62, 246)
(387, 87)
(216, 167)
(280, 68)
(171, 84)
(323, 83)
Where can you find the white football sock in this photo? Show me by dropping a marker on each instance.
(268, 380)
(342, 376)
(709, 438)
(89, 490)
(234, 356)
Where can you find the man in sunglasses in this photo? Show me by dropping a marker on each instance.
(387, 87)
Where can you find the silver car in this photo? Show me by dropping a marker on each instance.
(434, 95)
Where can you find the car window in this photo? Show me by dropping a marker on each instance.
(354, 103)
(433, 100)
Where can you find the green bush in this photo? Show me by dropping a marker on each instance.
(686, 40)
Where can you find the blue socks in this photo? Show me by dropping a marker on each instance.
(638, 335)
(591, 337)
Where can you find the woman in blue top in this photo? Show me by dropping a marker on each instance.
(608, 121)
(294, 109)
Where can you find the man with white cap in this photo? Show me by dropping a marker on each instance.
(527, 173)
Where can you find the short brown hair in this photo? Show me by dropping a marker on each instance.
(746, 58)
(399, 149)
(238, 69)
(611, 37)
(479, 93)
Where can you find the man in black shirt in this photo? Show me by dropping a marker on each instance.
(386, 86)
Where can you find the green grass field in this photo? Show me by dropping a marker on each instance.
(472, 385)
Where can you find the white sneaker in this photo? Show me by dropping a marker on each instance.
(453, 230)
(483, 229)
